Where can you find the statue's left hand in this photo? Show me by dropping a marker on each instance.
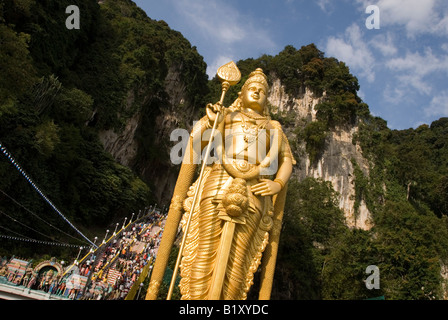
(266, 188)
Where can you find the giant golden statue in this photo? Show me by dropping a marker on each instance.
(231, 215)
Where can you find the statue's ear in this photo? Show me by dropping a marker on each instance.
(239, 94)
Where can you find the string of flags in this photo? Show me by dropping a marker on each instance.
(31, 182)
(36, 215)
(41, 242)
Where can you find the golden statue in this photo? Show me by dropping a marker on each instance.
(233, 211)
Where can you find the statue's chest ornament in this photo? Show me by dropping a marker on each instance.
(250, 127)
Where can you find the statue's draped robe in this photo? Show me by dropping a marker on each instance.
(202, 243)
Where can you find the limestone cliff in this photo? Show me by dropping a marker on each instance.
(335, 162)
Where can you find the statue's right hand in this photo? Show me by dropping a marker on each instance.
(212, 110)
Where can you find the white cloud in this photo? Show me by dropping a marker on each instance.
(224, 32)
(413, 68)
(384, 43)
(444, 47)
(417, 63)
(323, 4)
(438, 106)
(220, 23)
(416, 16)
(207, 17)
(218, 62)
(413, 82)
(442, 26)
(362, 94)
(352, 49)
(394, 96)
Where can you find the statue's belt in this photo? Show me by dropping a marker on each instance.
(243, 169)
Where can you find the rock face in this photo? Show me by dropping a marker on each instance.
(176, 113)
(124, 145)
(336, 166)
(335, 163)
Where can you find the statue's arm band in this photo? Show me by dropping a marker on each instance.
(280, 181)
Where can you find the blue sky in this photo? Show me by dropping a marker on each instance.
(402, 67)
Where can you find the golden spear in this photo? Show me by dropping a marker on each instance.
(229, 75)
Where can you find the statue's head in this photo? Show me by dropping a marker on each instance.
(254, 92)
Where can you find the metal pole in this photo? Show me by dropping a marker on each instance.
(140, 289)
(105, 237)
(79, 252)
(94, 241)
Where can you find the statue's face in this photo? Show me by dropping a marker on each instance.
(254, 97)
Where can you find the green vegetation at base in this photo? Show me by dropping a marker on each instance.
(321, 258)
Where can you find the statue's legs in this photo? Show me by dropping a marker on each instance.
(203, 240)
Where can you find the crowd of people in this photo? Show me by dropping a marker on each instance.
(123, 261)
(109, 272)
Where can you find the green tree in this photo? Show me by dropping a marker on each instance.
(411, 247)
(312, 221)
(344, 268)
(16, 68)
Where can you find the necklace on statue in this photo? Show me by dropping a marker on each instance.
(251, 131)
(253, 115)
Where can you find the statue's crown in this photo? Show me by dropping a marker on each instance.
(257, 76)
